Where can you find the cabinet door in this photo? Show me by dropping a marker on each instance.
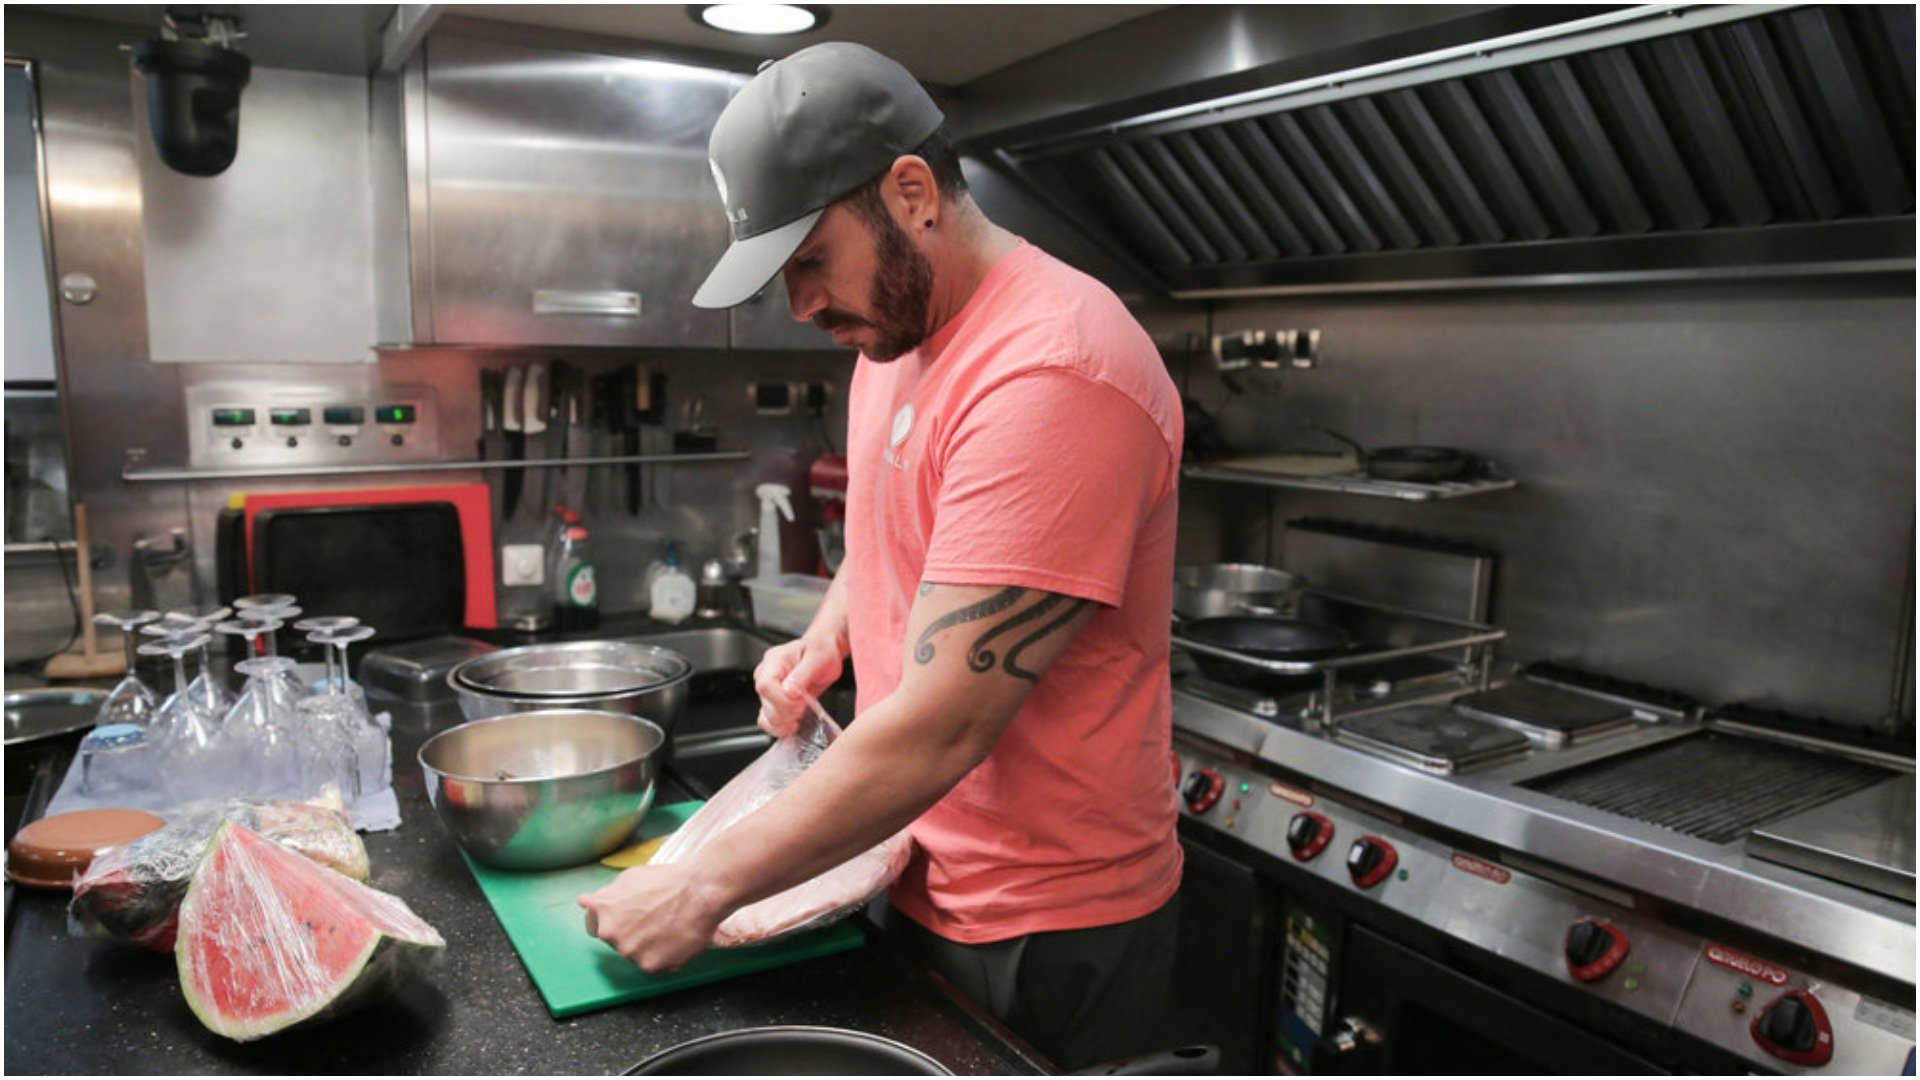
(570, 198)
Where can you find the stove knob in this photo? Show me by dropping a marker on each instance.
(1370, 860)
(1308, 834)
(1593, 948)
(1794, 1028)
(1202, 790)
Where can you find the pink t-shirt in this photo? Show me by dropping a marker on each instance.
(1034, 440)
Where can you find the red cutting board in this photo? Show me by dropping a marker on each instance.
(470, 501)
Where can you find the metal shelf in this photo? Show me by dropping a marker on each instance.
(166, 474)
(1355, 484)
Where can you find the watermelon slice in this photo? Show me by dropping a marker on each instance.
(269, 939)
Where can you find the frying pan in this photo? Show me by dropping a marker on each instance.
(1421, 463)
(1264, 637)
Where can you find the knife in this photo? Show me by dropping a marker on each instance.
(627, 410)
(579, 437)
(513, 425)
(493, 441)
(534, 421)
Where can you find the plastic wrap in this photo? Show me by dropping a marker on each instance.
(269, 940)
(825, 899)
(132, 893)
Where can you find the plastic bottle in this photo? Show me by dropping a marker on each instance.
(576, 599)
(774, 503)
(672, 591)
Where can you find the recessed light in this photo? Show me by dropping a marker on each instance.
(763, 20)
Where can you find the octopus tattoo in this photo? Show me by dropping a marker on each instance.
(980, 657)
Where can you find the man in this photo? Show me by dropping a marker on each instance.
(1013, 446)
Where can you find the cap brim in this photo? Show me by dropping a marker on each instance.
(749, 264)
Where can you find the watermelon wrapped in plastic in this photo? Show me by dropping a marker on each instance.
(269, 939)
(826, 898)
(132, 893)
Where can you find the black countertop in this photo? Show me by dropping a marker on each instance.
(80, 1006)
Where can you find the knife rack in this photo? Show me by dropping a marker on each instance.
(135, 471)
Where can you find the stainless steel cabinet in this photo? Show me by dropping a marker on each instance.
(569, 200)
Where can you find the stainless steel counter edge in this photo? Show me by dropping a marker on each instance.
(1853, 926)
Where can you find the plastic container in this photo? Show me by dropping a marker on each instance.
(786, 602)
(672, 592)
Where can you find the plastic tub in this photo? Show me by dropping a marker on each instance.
(787, 603)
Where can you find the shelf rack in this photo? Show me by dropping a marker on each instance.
(1354, 483)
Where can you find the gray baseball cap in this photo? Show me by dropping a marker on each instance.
(807, 130)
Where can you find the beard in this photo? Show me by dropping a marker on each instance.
(902, 290)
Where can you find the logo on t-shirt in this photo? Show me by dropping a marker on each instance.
(902, 427)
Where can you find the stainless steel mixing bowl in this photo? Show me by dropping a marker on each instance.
(613, 676)
(541, 790)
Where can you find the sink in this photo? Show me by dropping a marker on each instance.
(711, 648)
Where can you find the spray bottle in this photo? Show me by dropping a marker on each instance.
(774, 504)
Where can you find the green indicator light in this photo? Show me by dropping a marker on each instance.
(1402, 875)
(1746, 989)
(1633, 984)
(1245, 787)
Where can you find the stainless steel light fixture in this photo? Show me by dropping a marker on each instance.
(764, 20)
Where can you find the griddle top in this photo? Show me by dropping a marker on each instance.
(1432, 737)
(1548, 713)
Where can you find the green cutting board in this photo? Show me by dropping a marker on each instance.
(576, 972)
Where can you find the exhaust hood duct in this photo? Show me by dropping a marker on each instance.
(1662, 142)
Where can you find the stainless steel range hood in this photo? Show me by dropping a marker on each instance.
(1664, 141)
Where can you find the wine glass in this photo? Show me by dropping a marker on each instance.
(284, 614)
(370, 743)
(131, 701)
(209, 686)
(257, 738)
(325, 624)
(325, 752)
(264, 600)
(188, 728)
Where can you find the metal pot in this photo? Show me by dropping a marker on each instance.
(1221, 589)
(1264, 638)
(791, 1051)
(612, 676)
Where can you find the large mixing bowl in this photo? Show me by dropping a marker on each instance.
(541, 790)
(610, 676)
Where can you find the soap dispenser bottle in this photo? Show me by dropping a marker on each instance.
(672, 592)
(774, 504)
(576, 598)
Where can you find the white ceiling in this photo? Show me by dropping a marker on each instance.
(945, 44)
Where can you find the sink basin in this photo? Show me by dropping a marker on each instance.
(711, 648)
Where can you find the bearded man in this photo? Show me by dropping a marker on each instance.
(1013, 456)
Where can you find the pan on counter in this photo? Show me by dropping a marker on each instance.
(1425, 464)
(1263, 637)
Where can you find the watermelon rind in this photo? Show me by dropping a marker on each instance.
(243, 913)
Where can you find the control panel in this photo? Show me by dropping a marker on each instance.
(1754, 1008)
(268, 424)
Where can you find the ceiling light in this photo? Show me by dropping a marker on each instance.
(760, 19)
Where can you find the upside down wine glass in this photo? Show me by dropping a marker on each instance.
(370, 744)
(258, 737)
(131, 700)
(186, 755)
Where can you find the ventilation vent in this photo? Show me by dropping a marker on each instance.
(1734, 146)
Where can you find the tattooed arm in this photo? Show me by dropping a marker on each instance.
(973, 653)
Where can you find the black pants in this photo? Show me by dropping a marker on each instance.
(1081, 997)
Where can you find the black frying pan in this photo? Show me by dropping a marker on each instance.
(1418, 463)
(1264, 637)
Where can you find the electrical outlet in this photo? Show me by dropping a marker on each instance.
(522, 564)
(773, 398)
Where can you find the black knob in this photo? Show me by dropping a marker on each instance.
(399, 440)
(346, 440)
(237, 444)
(1364, 858)
(1587, 942)
(1302, 831)
(292, 442)
(1789, 1023)
(1196, 787)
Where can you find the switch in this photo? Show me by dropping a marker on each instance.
(292, 442)
(399, 440)
(1794, 1028)
(1593, 948)
(237, 444)
(345, 440)
(1308, 834)
(522, 564)
(1370, 860)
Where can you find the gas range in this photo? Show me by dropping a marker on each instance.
(1597, 842)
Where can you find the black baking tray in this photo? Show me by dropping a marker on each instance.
(397, 567)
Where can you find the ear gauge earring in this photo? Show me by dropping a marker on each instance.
(929, 223)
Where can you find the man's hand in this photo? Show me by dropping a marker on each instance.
(810, 664)
(659, 917)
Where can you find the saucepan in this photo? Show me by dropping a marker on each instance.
(1264, 637)
(1207, 592)
(1418, 463)
(797, 1050)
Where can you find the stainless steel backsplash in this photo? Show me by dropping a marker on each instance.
(1716, 481)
